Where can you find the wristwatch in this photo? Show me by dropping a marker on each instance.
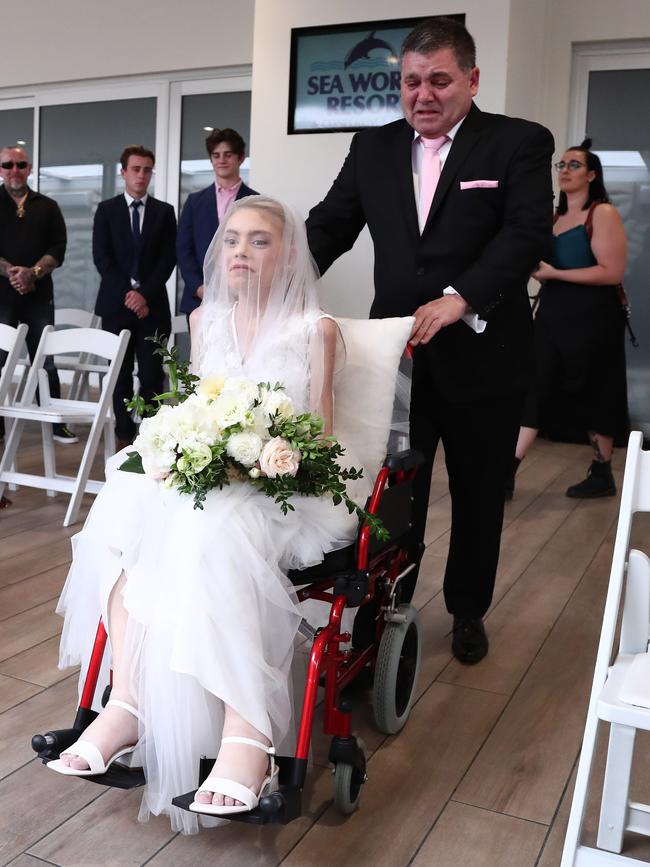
(37, 271)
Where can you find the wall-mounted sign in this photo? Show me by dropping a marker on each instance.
(346, 77)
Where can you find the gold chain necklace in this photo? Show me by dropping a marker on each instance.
(20, 207)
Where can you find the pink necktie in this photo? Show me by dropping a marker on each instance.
(429, 173)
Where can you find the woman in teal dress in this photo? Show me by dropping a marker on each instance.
(580, 323)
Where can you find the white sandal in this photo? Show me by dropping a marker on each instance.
(232, 789)
(88, 751)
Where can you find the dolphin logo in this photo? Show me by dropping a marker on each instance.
(362, 48)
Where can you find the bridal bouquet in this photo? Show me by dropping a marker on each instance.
(218, 431)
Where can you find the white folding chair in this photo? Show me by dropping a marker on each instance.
(57, 411)
(81, 366)
(84, 364)
(630, 573)
(12, 341)
(179, 326)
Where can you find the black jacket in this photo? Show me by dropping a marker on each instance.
(482, 240)
(113, 254)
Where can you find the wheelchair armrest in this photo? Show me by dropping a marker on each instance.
(404, 460)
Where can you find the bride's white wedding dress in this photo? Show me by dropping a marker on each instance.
(212, 616)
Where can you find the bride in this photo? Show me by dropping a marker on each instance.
(200, 616)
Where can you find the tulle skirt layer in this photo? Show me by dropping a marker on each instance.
(212, 616)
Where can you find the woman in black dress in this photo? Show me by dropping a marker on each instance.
(579, 327)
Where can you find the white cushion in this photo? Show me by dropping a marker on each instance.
(364, 385)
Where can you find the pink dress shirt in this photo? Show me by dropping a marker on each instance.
(225, 197)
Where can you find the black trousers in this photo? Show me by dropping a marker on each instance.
(479, 439)
(150, 368)
(36, 315)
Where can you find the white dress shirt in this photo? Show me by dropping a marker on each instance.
(470, 318)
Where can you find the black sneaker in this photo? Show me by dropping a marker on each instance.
(64, 435)
(599, 483)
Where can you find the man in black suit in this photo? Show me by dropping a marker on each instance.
(458, 203)
(203, 211)
(134, 237)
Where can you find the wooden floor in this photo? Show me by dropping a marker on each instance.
(482, 774)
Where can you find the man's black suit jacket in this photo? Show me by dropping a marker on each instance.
(113, 254)
(482, 240)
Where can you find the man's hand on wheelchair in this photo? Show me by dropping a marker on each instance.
(431, 317)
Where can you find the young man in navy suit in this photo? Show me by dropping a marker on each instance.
(203, 211)
(459, 206)
(134, 238)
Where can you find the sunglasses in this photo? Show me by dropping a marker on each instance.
(572, 165)
(21, 164)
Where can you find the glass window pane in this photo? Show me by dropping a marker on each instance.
(80, 147)
(17, 127)
(202, 112)
(621, 137)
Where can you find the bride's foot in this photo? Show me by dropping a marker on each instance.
(242, 763)
(114, 729)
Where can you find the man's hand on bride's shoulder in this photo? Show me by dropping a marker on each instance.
(431, 317)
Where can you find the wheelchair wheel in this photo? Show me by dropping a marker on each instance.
(396, 672)
(347, 788)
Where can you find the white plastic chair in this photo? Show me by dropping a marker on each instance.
(630, 572)
(57, 411)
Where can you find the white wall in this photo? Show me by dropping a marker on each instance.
(541, 38)
(301, 168)
(78, 39)
(572, 21)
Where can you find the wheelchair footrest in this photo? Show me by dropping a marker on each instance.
(279, 808)
(50, 746)
(117, 776)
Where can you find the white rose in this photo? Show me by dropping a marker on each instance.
(277, 402)
(244, 448)
(254, 472)
(279, 459)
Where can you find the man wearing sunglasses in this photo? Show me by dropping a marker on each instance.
(32, 245)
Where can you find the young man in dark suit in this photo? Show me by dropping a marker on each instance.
(134, 237)
(458, 203)
(203, 211)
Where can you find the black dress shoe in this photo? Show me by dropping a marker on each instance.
(469, 643)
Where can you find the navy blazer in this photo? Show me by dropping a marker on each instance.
(488, 227)
(196, 228)
(113, 254)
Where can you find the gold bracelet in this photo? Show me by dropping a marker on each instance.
(37, 271)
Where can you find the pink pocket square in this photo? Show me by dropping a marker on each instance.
(478, 185)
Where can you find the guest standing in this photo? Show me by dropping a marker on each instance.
(580, 323)
(203, 211)
(32, 245)
(134, 238)
(452, 251)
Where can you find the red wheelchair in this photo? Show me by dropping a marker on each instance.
(384, 644)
